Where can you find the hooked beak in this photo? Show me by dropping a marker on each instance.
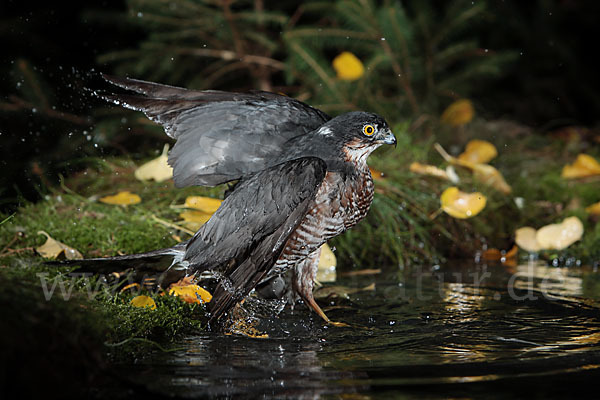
(387, 137)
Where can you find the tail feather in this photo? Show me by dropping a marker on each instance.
(143, 265)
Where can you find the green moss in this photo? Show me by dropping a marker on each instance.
(73, 216)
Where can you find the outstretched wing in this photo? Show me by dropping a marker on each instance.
(247, 233)
(221, 136)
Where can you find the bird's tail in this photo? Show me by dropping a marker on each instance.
(140, 266)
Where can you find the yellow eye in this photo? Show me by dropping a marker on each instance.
(368, 130)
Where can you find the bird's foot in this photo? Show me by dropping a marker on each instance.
(310, 301)
(240, 323)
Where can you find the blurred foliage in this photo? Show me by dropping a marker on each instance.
(417, 57)
(202, 44)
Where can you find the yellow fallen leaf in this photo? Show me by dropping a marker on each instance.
(376, 174)
(191, 293)
(505, 257)
(479, 152)
(560, 236)
(594, 209)
(195, 219)
(483, 172)
(458, 113)
(143, 302)
(53, 249)
(131, 286)
(157, 169)
(326, 271)
(526, 239)
(462, 205)
(124, 198)
(348, 67)
(426, 169)
(550, 237)
(204, 204)
(490, 176)
(583, 167)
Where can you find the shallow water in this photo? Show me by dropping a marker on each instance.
(455, 330)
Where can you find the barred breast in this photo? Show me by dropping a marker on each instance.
(341, 202)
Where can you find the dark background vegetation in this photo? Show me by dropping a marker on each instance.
(50, 121)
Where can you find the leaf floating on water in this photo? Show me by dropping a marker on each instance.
(191, 293)
(157, 169)
(326, 271)
(550, 237)
(594, 209)
(462, 205)
(560, 236)
(204, 204)
(459, 113)
(123, 198)
(143, 302)
(505, 257)
(430, 170)
(479, 152)
(348, 67)
(53, 249)
(195, 219)
(583, 167)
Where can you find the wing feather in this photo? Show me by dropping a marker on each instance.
(221, 136)
(248, 232)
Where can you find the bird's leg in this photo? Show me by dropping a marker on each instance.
(305, 273)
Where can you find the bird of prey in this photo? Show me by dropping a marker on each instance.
(302, 179)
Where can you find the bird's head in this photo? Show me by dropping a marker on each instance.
(358, 133)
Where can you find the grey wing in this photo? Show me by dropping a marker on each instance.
(247, 233)
(221, 136)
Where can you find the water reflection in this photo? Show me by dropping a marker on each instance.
(456, 325)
